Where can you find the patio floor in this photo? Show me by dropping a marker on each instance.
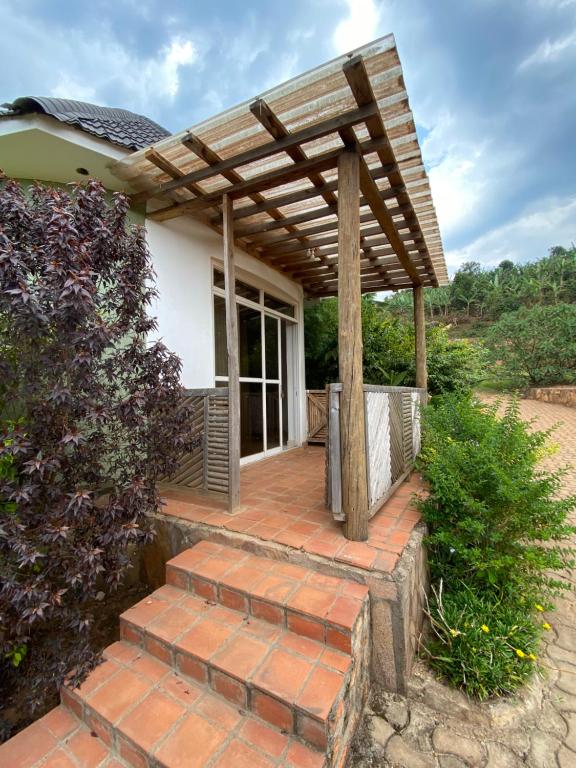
(282, 500)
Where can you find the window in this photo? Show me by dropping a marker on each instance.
(245, 291)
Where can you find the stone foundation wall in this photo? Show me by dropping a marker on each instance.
(397, 615)
(396, 600)
(559, 395)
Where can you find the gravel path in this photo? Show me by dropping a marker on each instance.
(436, 727)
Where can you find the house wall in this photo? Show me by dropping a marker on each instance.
(184, 252)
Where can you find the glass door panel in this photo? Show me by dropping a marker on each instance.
(272, 416)
(285, 394)
(251, 419)
(271, 347)
(221, 352)
(250, 342)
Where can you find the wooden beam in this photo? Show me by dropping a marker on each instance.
(371, 287)
(352, 421)
(262, 182)
(420, 336)
(275, 128)
(209, 156)
(299, 218)
(382, 216)
(261, 231)
(154, 157)
(355, 72)
(327, 246)
(288, 142)
(310, 193)
(244, 188)
(233, 362)
(387, 270)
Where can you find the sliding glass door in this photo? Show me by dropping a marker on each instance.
(263, 340)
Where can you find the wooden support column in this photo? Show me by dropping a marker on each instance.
(420, 336)
(233, 364)
(352, 422)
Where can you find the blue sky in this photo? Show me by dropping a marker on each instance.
(492, 85)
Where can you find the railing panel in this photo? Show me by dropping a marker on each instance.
(333, 461)
(205, 467)
(392, 442)
(378, 444)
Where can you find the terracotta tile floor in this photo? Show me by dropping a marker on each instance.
(282, 500)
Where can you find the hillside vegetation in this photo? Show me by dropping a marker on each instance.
(477, 297)
(525, 315)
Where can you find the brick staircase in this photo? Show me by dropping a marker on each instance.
(238, 661)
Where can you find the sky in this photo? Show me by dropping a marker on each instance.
(492, 85)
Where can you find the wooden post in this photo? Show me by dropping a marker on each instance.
(352, 422)
(420, 336)
(233, 364)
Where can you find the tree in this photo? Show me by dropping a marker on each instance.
(537, 345)
(91, 420)
(388, 350)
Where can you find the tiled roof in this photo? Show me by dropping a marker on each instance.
(119, 126)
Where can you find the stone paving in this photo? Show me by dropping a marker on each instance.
(436, 727)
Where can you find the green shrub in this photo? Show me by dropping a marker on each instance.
(488, 647)
(453, 365)
(493, 517)
(537, 345)
(388, 353)
(496, 533)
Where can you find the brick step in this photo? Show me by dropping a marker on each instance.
(147, 714)
(297, 684)
(58, 740)
(323, 608)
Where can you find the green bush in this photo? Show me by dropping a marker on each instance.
(485, 645)
(496, 534)
(537, 345)
(453, 365)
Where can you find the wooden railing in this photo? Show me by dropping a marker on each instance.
(205, 468)
(392, 417)
(317, 418)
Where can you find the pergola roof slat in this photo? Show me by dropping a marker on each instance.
(286, 195)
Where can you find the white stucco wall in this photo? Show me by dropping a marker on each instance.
(184, 252)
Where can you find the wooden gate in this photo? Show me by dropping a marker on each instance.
(317, 416)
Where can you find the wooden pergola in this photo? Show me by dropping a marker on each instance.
(322, 179)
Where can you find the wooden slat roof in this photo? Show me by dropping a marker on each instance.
(276, 157)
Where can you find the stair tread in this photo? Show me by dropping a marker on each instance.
(58, 740)
(304, 591)
(154, 710)
(303, 672)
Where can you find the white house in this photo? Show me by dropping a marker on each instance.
(324, 191)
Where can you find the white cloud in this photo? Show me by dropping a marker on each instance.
(144, 78)
(358, 27)
(549, 51)
(94, 64)
(457, 172)
(528, 237)
(68, 87)
(179, 53)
